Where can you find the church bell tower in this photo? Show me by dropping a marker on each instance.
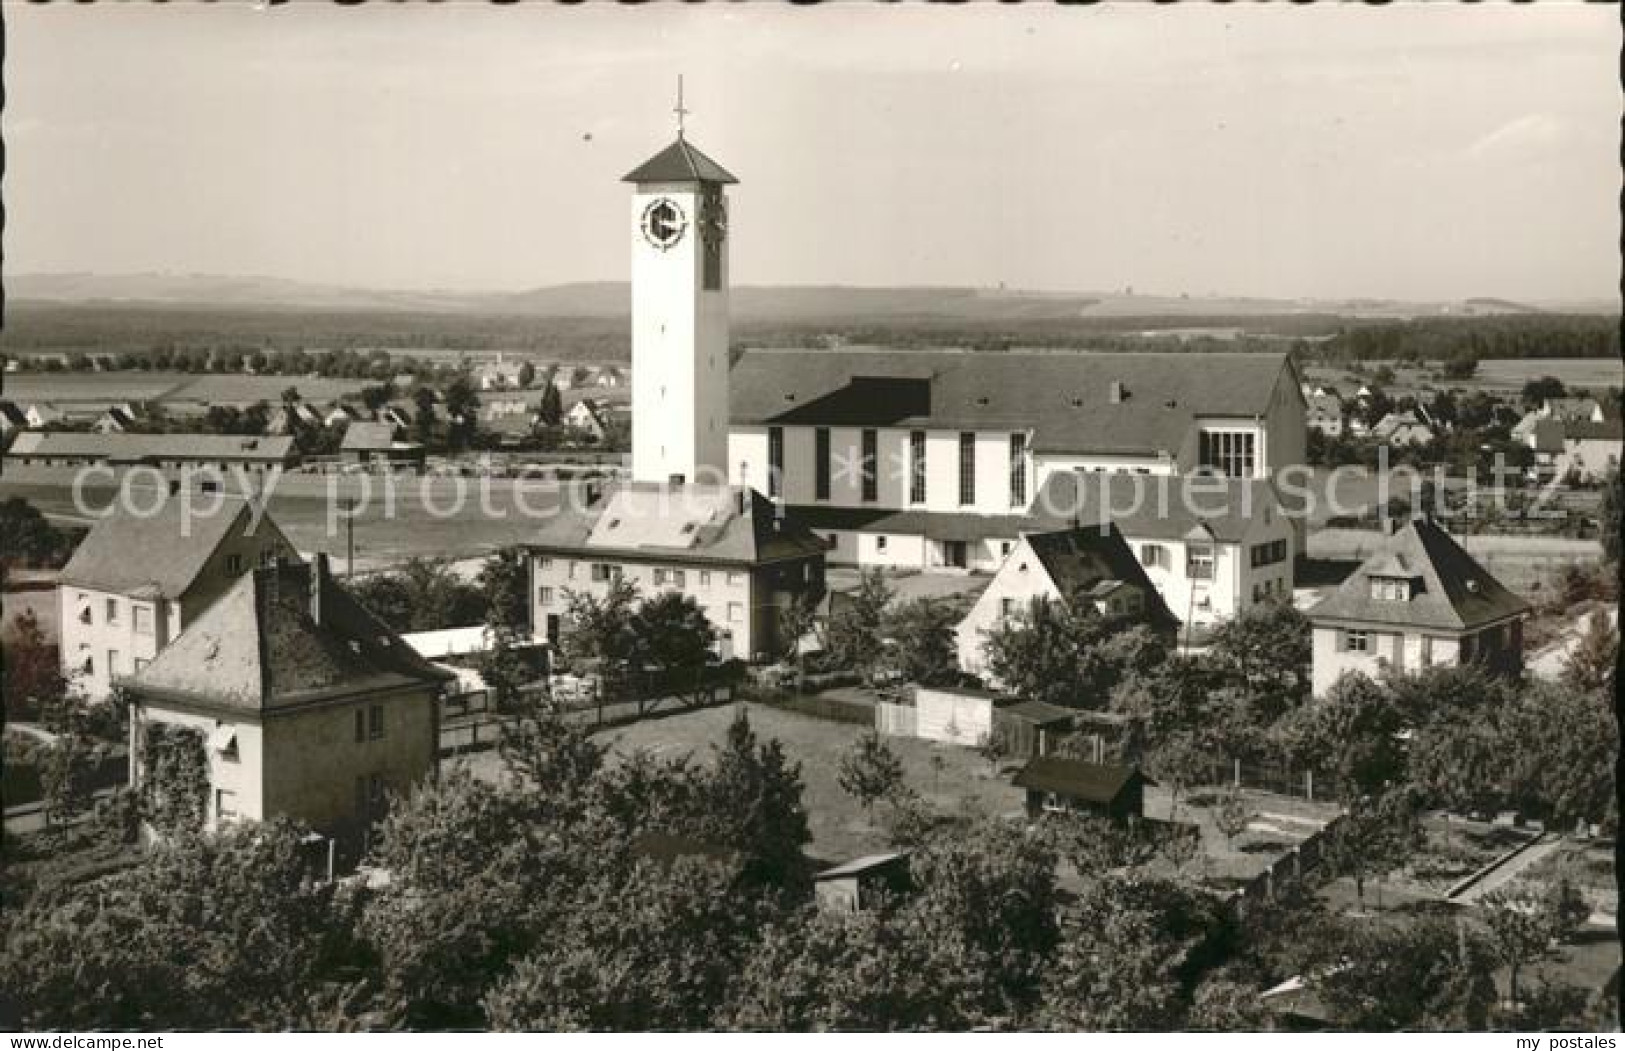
(679, 315)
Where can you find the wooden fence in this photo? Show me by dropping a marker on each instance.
(468, 724)
(896, 720)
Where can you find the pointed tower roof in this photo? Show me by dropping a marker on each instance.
(680, 162)
(282, 636)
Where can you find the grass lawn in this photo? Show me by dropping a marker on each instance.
(840, 829)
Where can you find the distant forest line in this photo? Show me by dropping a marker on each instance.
(99, 328)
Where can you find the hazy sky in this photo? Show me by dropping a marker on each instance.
(1434, 152)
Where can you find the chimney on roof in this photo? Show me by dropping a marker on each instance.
(1117, 393)
(739, 500)
(319, 574)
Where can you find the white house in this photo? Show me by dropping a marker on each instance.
(306, 705)
(136, 581)
(1403, 428)
(724, 546)
(1325, 414)
(1213, 547)
(586, 416)
(1090, 564)
(930, 459)
(1419, 601)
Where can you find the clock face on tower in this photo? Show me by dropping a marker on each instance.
(663, 223)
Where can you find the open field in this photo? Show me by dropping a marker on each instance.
(422, 520)
(28, 387)
(1496, 375)
(1516, 561)
(1591, 373)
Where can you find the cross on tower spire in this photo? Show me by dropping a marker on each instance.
(678, 109)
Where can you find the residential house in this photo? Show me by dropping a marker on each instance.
(12, 418)
(1404, 429)
(723, 545)
(168, 452)
(339, 414)
(1590, 450)
(117, 419)
(377, 444)
(136, 581)
(1419, 601)
(1081, 563)
(501, 374)
(307, 706)
(1325, 414)
(292, 417)
(587, 416)
(1057, 784)
(1572, 438)
(402, 416)
(1213, 547)
(930, 459)
(562, 377)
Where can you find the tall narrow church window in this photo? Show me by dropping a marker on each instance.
(1018, 470)
(775, 461)
(967, 467)
(871, 479)
(916, 467)
(821, 463)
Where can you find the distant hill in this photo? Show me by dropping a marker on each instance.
(612, 299)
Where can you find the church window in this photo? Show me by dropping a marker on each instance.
(775, 461)
(871, 479)
(821, 463)
(967, 467)
(916, 467)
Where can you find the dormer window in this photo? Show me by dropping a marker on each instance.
(1390, 589)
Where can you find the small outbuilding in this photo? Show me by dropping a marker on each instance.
(1060, 785)
(1032, 728)
(858, 884)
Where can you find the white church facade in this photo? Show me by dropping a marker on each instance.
(937, 459)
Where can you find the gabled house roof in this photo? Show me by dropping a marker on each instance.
(679, 162)
(1090, 559)
(282, 636)
(1076, 779)
(1572, 410)
(1157, 507)
(1070, 402)
(158, 555)
(366, 437)
(1451, 591)
(138, 448)
(687, 523)
(868, 864)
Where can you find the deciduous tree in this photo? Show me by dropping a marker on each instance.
(869, 771)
